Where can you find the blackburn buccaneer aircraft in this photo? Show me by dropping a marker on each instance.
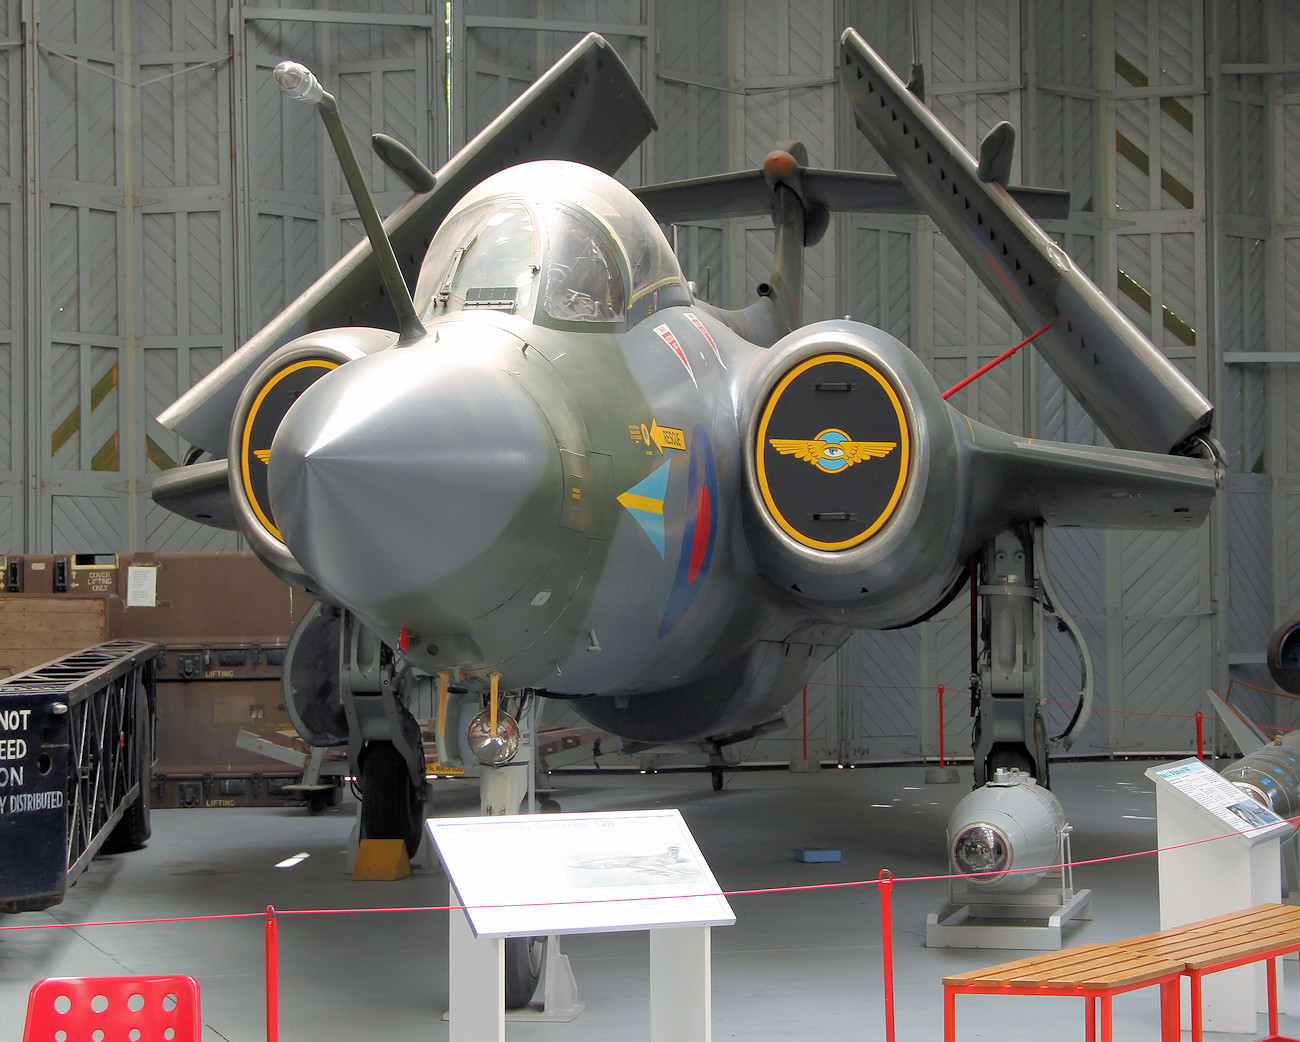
(554, 471)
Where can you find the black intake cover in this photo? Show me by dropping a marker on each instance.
(833, 451)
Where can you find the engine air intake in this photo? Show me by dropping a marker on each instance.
(832, 451)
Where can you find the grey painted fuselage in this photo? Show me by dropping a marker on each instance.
(572, 499)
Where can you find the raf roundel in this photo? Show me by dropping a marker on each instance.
(832, 452)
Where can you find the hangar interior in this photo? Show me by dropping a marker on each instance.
(160, 201)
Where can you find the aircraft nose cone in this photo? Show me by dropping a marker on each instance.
(410, 477)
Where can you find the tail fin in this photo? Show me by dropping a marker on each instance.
(776, 189)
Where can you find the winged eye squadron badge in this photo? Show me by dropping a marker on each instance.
(834, 504)
(832, 450)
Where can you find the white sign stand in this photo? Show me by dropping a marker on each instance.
(681, 977)
(533, 875)
(1193, 803)
(477, 982)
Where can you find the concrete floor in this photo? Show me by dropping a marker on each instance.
(795, 966)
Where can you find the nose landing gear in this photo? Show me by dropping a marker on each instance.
(392, 806)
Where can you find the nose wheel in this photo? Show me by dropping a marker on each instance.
(391, 805)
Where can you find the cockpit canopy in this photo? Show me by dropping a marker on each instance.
(560, 243)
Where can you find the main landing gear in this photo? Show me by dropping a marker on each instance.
(1012, 592)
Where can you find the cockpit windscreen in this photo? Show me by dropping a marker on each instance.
(554, 241)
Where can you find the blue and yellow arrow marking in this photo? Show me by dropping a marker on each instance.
(645, 502)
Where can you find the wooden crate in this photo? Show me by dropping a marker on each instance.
(35, 629)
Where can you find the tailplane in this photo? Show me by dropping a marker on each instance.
(800, 200)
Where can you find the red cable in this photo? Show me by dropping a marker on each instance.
(997, 361)
(662, 897)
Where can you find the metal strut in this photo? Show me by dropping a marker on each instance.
(1009, 729)
(1012, 592)
(374, 701)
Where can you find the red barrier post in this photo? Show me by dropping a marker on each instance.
(1200, 736)
(941, 763)
(272, 977)
(887, 947)
(805, 723)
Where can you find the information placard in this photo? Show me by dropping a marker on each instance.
(1208, 789)
(536, 874)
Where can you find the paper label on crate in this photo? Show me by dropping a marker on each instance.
(141, 587)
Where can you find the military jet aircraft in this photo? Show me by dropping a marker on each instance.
(554, 471)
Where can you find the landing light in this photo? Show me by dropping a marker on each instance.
(493, 750)
(980, 848)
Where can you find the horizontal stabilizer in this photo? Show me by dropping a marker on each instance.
(586, 108)
(748, 194)
(200, 492)
(1138, 397)
(1018, 479)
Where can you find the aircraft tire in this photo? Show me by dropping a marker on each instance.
(391, 807)
(525, 957)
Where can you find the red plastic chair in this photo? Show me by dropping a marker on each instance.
(113, 1009)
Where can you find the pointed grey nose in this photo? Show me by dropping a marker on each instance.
(409, 483)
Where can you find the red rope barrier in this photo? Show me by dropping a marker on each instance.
(139, 922)
(964, 690)
(996, 362)
(666, 897)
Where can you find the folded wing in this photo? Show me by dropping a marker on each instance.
(587, 108)
(1135, 394)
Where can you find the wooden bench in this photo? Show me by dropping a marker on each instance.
(1098, 972)
(1251, 935)
(1094, 972)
